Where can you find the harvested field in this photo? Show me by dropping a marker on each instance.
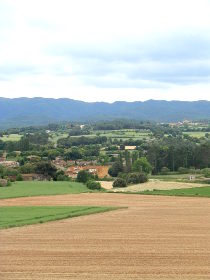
(151, 185)
(154, 238)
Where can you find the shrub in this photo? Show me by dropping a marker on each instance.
(164, 170)
(62, 177)
(115, 169)
(93, 185)
(142, 178)
(119, 183)
(206, 172)
(19, 177)
(9, 183)
(136, 178)
(3, 182)
(133, 178)
(183, 170)
(83, 176)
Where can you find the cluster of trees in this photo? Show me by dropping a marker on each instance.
(81, 141)
(88, 179)
(130, 169)
(174, 153)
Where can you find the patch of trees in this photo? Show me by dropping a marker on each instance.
(81, 141)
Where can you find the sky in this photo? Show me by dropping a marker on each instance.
(105, 50)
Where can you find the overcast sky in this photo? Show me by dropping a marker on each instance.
(105, 50)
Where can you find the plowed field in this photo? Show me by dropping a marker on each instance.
(154, 238)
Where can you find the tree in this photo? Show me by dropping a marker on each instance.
(93, 185)
(127, 161)
(142, 165)
(83, 176)
(119, 183)
(115, 169)
(45, 168)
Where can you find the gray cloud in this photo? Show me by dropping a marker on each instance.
(174, 59)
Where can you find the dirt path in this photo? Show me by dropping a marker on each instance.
(151, 185)
(154, 238)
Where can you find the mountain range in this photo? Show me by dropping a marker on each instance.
(19, 112)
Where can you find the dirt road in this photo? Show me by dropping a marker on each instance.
(154, 238)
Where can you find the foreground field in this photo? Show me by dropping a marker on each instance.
(34, 188)
(156, 237)
(14, 216)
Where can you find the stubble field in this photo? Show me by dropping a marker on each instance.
(153, 238)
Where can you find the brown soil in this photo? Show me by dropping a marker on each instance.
(154, 238)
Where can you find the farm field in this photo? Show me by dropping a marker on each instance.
(11, 137)
(34, 188)
(156, 237)
(124, 134)
(15, 216)
(119, 134)
(151, 185)
(196, 134)
(54, 137)
(195, 191)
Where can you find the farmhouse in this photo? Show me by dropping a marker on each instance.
(9, 163)
(100, 171)
(59, 163)
(130, 148)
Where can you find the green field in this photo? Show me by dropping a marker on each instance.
(55, 136)
(11, 137)
(198, 192)
(196, 134)
(14, 216)
(124, 134)
(36, 188)
(119, 134)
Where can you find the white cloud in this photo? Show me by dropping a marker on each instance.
(105, 50)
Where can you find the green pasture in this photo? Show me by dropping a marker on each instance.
(195, 134)
(55, 136)
(197, 192)
(11, 137)
(36, 188)
(15, 216)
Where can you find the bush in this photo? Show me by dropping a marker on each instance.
(83, 176)
(3, 182)
(206, 172)
(119, 183)
(183, 170)
(142, 178)
(164, 170)
(93, 185)
(136, 178)
(115, 169)
(19, 177)
(62, 177)
(9, 183)
(133, 178)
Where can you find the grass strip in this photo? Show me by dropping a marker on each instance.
(15, 216)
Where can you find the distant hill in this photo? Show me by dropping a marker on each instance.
(37, 111)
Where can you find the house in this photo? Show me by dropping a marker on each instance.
(72, 171)
(59, 163)
(9, 163)
(130, 148)
(99, 170)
